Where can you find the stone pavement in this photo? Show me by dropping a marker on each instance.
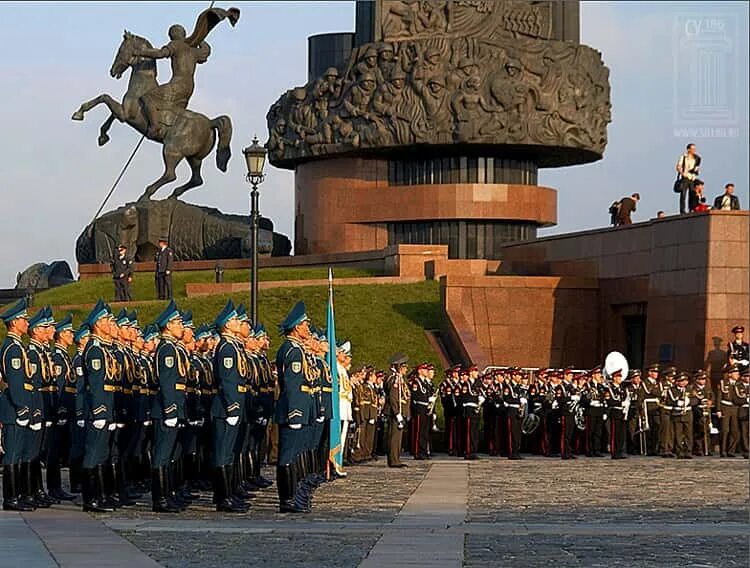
(494, 512)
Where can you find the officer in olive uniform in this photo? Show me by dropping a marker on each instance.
(397, 407)
(679, 398)
(122, 274)
(727, 410)
(742, 400)
(230, 368)
(15, 406)
(666, 432)
(702, 393)
(294, 410)
(100, 374)
(64, 413)
(164, 260)
(168, 408)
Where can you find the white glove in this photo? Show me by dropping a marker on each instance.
(22, 423)
(320, 419)
(524, 400)
(48, 423)
(555, 404)
(680, 403)
(497, 405)
(193, 422)
(62, 422)
(112, 427)
(170, 422)
(80, 423)
(99, 424)
(260, 420)
(604, 417)
(120, 425)
(481, 400)
(575, 397)
(371, 421)
(295, 426)
(432, 398)
(147, 422)
(399, 418)
(233, 420)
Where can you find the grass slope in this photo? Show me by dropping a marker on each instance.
(378, 319)
(142, 288)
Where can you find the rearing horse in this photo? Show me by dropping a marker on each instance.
(190, 135)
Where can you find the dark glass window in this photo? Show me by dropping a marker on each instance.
(472, 175)
(460, 169)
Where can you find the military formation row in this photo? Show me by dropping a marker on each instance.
(187, 405)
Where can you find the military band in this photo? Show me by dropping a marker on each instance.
(178, 409)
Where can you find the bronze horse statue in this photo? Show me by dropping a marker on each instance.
(186, 135)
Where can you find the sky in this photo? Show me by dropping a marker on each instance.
(678, 72)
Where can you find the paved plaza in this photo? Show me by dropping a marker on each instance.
(493, 512)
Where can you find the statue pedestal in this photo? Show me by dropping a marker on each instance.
(194, 233)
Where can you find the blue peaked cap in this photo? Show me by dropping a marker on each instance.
(170, 312)
(81, 332)
(122, 317)
(65, 323)
(187, 318)
(99, 311)
(242, 312)
(38, 319)
(296, 316)
(225, 315)
(15, 311)
(260, 330)
(150, 332)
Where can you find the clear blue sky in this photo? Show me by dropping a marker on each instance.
(57, 55)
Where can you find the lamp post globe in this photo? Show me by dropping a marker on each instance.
(255, 159)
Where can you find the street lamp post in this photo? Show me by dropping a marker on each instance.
(255, 158)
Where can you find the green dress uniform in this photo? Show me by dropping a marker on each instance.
(729, 423)
(679, 398)
(397, 410)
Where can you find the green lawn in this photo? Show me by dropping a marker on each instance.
(88, 291)
(378, 319)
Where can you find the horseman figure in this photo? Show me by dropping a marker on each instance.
(160, 112)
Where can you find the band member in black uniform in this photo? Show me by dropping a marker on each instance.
(617, 410)
(651, 408)
(516, 405)
(471, 402)
(703, 395)
(593, 401)
(681, 402)
(738, 350)
(421, 393)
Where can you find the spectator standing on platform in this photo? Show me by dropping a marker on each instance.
(626, 209)
(122, 274)
(696, 199)
(164, 260)
(727, 201)
(687, 171)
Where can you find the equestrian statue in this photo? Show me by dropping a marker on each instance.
(159, 112)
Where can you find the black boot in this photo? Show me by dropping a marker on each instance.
(54, 483)
(107, 478)
(93, 489)
(75, 476)
(10, 491)
(286, 484)
(223, 492)
(25, 487)
(122, 485)
(303, 488)
(237, 487)
(257, 477)
(159, 492)
(38, 492)
(170, 494)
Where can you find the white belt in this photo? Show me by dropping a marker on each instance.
(474, 404)
(617, 407)
(595, 403)
(651, 400)
(421, 403)
(666, 408)
(746, 406)
(513, 405)
(727, 403)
